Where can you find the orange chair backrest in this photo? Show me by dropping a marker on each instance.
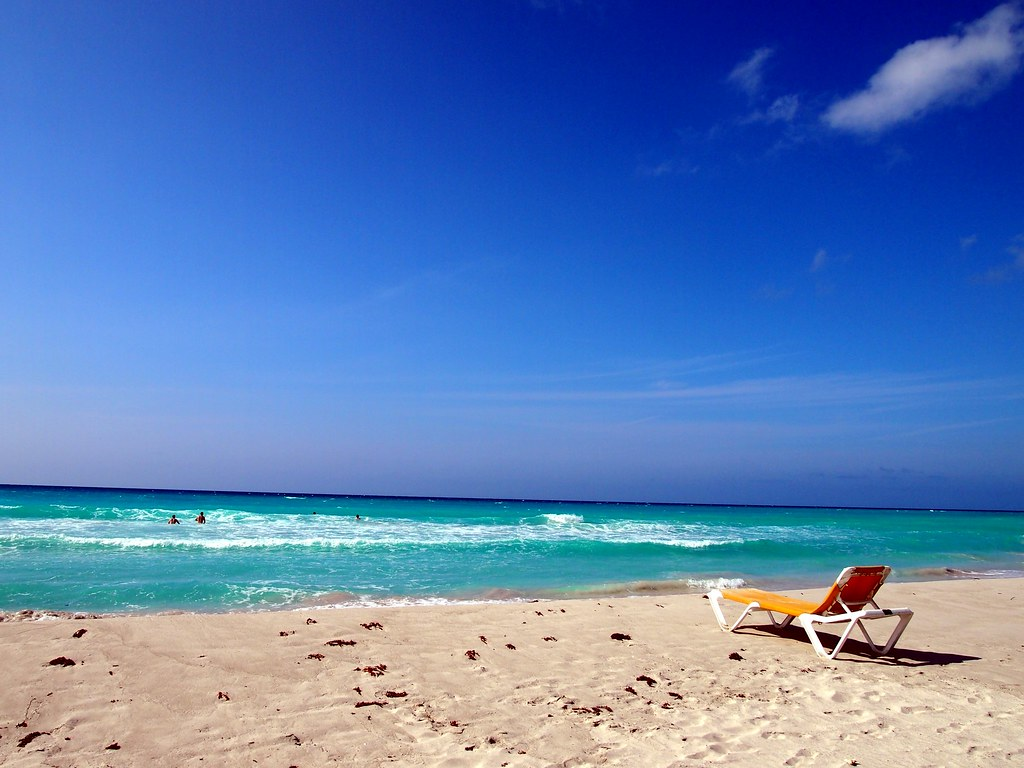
(855, 587)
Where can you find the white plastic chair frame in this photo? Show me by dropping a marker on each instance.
(833, 610)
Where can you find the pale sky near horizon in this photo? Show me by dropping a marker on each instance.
(696, 252)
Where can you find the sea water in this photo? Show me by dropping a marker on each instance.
(112, 551)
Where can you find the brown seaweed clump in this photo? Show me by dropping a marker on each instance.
(373, 671)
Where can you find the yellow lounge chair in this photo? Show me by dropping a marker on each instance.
(850, 601)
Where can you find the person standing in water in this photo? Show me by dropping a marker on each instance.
(201, 519)
(174, 520)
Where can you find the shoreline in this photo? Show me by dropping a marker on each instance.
(646, 680)
(634, 590)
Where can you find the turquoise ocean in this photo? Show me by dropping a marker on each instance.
(111, 551)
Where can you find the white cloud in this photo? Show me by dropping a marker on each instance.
(959, 68)
(1017, 251)
(558, 5)
(783, 109)
(868, 391)
(773, 292)
(747, 75)
(672, 167)
(1006, 271)
(820, 260)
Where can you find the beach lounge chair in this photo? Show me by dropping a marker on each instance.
(850, 601)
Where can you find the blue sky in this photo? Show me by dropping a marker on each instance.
(700, 252)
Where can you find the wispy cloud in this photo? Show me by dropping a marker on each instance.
(820, 272)
(748, 75)
(932, 429)
(413, 285)
(672, 167)
(659, 373)
(823, 269)
(774, 292)
(820, 260)
(556, 5)
(783, 110)
(857, 392)
(1010, 270)
(960, 68)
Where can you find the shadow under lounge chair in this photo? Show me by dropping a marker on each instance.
(850, 601)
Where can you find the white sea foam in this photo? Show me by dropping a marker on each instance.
(208, 543)
(252, 594)
(139, 513)
(147, 528)
(409, 601)
(963, 573)
(162, 513)
(700, 543)
(227, 528)
(563, 519)
(721, 583)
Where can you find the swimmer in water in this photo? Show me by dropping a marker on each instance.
(201, 519)
(174, 520)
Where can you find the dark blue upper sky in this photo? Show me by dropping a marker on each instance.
(708, 252)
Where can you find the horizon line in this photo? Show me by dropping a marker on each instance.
(316, 495)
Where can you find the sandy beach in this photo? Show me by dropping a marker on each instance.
(523, 684)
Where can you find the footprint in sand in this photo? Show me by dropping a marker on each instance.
(801, 757)
(915, 710)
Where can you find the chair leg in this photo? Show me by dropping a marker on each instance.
(905, 615)
(715, 597)
(786, 620)
(807, 621)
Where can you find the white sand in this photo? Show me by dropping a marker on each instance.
(232, 690)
